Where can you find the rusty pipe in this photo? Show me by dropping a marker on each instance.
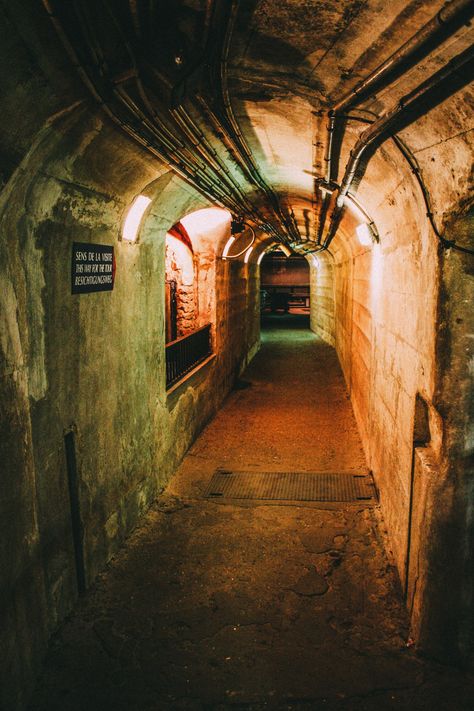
(451, 16)
(385, 124)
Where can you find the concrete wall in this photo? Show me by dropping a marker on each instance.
(322, 305)
(93, 364)
(447, 527)
(385, 322)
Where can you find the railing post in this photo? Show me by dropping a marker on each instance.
(183, 354)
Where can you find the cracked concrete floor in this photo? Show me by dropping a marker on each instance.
(253, 606)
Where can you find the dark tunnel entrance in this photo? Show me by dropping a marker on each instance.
(284, 291)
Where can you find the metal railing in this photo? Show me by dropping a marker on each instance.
(183, 354)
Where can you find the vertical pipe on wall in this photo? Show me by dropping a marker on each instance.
(76, 522)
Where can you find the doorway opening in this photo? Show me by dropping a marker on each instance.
(284, 291)
(190, 292)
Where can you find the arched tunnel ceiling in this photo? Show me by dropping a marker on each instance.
(292, 61)
(234, 95)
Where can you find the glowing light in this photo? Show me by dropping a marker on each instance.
(316, 263)
(247, 254)
(203, 221)
(364, 234)
(267, 249)
(228, 245)
(134, 218)
(364, 216)
(283, 248)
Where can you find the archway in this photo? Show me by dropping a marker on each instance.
(284, 289)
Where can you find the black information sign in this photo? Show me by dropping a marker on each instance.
(92, 267)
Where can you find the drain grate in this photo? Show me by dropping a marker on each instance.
(290, 486)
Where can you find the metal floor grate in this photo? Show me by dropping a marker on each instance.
(291, 486)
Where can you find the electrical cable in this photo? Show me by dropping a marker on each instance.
(416, 171)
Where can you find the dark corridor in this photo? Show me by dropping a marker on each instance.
(251, 604)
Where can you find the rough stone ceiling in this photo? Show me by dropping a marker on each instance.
(199, 82)
(291, 60)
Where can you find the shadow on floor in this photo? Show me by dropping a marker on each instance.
(285, 321)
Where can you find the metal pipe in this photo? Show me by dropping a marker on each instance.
(235, 256)
(204, 146)
(323, 213)
(171, 152)
(451, 16)
(416, 170)
(329, 145)
(248, 169)
(224, 134)
(387, 122)
(239, 139)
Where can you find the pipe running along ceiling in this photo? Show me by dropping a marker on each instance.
(274, 109)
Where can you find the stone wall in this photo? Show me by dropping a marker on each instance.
(385, 323)
(180, 270)
(322, 305)
(91, 364)
(94, 364)
(384, 331)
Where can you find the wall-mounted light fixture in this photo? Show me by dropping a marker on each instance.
(228, 245)
(366, 234)
(240, 237)
(237, 225)
(134, 218)
(266, 250)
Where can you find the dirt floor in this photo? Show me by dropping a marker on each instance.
(216, 605)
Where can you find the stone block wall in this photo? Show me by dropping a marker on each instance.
(386, 325)
(92, 364)
(384, 331)
(322, 306)
(180, 270)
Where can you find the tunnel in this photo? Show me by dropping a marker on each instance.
(237, 288)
